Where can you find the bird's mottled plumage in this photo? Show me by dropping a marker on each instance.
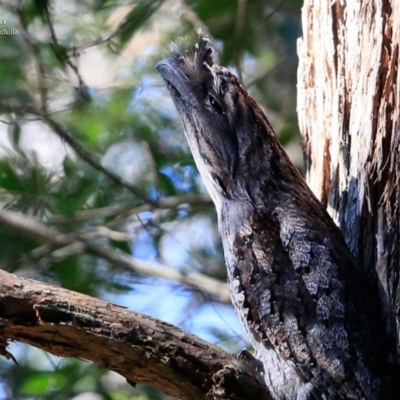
(307, 309)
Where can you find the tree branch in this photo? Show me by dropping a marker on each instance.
(32, 227)
(140, 348)
(59, 130)
(13, 106)
(171, 202)
(39, 66)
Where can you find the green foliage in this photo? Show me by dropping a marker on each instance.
(90, 142)
(136, 19)
(12, 59)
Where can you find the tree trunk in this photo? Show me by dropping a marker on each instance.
(348, 107)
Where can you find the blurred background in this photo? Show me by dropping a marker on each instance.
(90, 144)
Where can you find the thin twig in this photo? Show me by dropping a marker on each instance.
(112, 211)
(32, 227)
(56, 47)
(239, 32)
(39, 66)
(87, 157)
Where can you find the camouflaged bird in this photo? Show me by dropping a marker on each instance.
(306, 307)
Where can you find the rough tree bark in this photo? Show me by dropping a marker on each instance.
(140, 348)
(348, 106)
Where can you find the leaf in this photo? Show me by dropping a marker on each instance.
(14, 135)
(12, 77)
(42, 383)
(135, 20)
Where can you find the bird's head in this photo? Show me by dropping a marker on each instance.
(227, 132)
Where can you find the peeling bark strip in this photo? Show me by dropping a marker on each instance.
(311, 314)
(348, 106)
(140, 348)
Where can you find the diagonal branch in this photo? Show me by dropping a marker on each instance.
(30, 226)
(39, 65)
(88, 158)
(62, 58)
(170, 202)
(21, 109)
(140, 348)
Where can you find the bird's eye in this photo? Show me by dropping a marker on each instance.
(215, 105)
